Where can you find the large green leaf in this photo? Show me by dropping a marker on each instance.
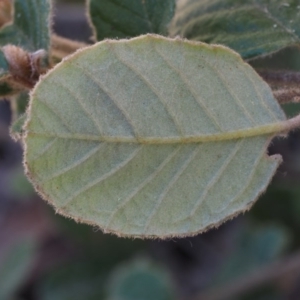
(130, 18)
(251, 27)
(152, 137)
(30, 27)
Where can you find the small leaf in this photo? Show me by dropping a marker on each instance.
(4, 68)
(130, 18)
(16, 129)
(140, 280)
(152, 137)
(255, 247)
(74, 281)
(15, 267)
(30, 27)
(251, 27)
(19, 104)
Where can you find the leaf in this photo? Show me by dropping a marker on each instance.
(152, 137)
(4, 68)
(140, 280)
(18, 105)
(255, 247)
(251, 27)
(129, 18)
(30, 27)
(19, 186)
(16, 129)
(15, 267)
(75, 281)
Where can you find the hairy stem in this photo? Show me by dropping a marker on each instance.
(62, 47)
(284, 84)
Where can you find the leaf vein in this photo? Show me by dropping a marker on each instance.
(258, 92)
(112, 99)
(103, 177)
(142, 185)
(75, 164)
(249, 179)
(56, 114)
(45, 149)
(216, 177)
(80, 102)
(227, 85)
(152, 88)
(169, 186)
(190, 89)
(271, 17)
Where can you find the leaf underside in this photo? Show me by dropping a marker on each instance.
(30, 27)
(151, 137)
(251, 27)
(130, 18)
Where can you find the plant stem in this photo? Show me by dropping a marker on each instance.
(62, 47)
(284, 84)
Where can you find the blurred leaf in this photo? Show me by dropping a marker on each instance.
(282, 204)
(15, 267)
(76, 281)
(86, 275)
(18, 106)
(19, 185)
(16, 129)
(4, 67)
(140, 280)
(130, 18)
(255, 247)
(251, 27)
(31, 25)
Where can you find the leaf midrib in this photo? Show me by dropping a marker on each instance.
(273, 128)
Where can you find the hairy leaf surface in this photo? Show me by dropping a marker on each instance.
(30, 27)
(130, 18)
(251, 27)
(152, 137)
